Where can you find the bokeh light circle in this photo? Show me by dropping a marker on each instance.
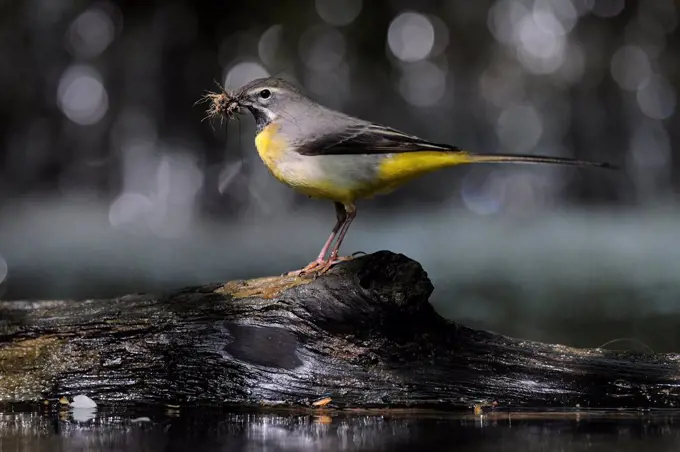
(91, 33)
(630, 67)
(656, 98)
(322, 48)
(244, 72)
(422, 84)
(338, 12)
(269, 44)
(81, 95)
(130, 209)
(519, 127)
(410, 36)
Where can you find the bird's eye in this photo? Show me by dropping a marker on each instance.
(265, 93)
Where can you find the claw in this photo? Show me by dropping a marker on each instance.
(332, 263)
(319, 267)
(309, 268)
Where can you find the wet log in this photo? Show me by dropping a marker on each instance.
(363, 335)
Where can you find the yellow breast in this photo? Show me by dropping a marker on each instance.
(271, 148)
(303, 173)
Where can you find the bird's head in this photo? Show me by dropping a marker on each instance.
(266, 98)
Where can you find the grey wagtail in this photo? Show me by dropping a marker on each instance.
(327, 154)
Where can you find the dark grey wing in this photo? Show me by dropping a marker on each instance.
(369, 139)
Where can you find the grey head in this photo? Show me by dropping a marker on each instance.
(270, 98)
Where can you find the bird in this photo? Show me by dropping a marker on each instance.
(327, 154)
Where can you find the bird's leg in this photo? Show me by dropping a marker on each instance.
(341, 215)
(333, 258)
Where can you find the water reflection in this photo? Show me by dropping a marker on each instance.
(207, 430)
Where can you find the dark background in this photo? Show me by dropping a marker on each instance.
(110, 182)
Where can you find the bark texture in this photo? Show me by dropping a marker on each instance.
(363, 335)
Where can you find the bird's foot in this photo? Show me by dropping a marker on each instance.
(319, 266)
(309, 268)
(334, 260)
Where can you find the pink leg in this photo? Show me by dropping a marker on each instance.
(345, 227)
(342, 218)
(333, 258)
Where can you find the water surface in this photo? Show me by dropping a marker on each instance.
(210, 430)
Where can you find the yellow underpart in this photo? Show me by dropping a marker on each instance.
(271, 148)
(328, 190)
(403, 167)
(392, 171)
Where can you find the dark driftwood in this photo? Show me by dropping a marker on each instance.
(363, 335)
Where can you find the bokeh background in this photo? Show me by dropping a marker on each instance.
(111, 182)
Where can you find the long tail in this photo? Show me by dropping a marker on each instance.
(510, 158)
